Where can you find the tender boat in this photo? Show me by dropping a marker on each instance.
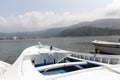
(42, 62)
(107, 47)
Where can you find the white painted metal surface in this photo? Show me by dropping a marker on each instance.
(24, 69)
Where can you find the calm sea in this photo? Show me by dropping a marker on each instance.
(11, 49)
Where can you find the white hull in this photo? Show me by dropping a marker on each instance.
(80, 65)
(107, 47)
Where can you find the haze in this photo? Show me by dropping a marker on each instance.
(35, 15)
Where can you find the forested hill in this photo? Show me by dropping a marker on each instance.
(89, 31)
(100, 27)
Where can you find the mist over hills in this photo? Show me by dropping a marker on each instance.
(89, 31)
(112, 22)
(98, 27)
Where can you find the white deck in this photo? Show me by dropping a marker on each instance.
(3, 67)
(93, 74)
(23, 69)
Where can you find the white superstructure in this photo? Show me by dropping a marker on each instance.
(48, 63)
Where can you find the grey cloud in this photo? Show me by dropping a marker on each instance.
(112, 9)
(32, 21)
(113, 13)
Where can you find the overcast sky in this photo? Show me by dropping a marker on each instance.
(34, 15)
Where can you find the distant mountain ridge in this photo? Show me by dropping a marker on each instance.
(99, 27)
(112, 22)
(92, 28)
(89, 31)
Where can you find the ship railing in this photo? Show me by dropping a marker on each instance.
(109, 59)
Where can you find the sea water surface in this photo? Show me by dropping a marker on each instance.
(11, 49)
